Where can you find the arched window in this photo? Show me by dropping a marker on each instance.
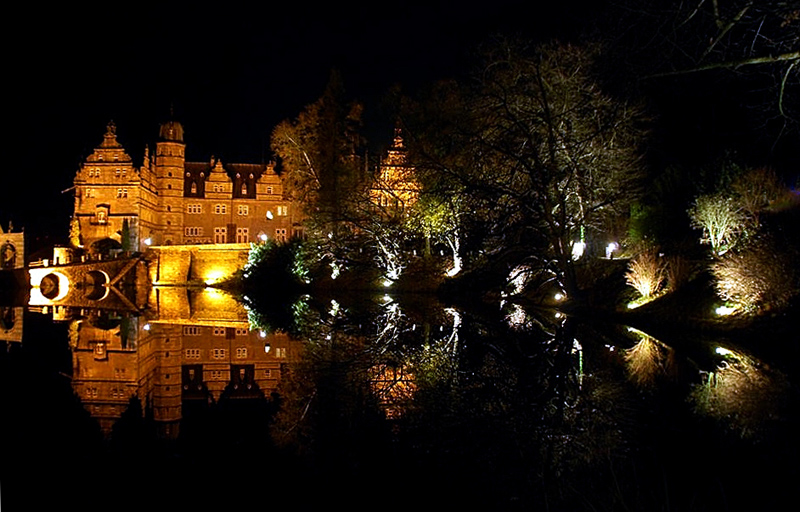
(194, 187)
(244, 189)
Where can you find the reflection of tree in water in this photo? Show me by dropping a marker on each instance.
(648, 359)
(743, 396)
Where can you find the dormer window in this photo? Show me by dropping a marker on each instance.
(193, 188)
(244, 189)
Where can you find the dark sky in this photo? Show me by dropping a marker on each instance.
(228, 74)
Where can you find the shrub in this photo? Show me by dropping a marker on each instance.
(646, 273)
(760, 277)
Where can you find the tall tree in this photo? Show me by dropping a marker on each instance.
(320, 153)
(540, 151)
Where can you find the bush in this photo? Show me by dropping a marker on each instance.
(761, 277)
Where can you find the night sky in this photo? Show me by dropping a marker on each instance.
(229, 75)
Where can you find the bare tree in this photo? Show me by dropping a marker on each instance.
(721, 219)
(541, 152)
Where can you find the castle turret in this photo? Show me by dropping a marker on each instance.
(170, 163)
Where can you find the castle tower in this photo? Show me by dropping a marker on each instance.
(170, 160)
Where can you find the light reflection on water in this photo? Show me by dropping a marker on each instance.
(506, 407)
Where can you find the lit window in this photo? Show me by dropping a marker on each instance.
(243, 209)
(193, 188)
(283, 211)
(280, 353)
(244, 189)
(220, 235)
(89, 192)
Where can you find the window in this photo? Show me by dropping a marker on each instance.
(101, 215)
(193, 188)
(269, 190)
(244, 189)
(242, 331)
(118, 173)
(220, 235)
(219, 331)
(219, 353)
(219, 375)
(280, 234)
(242, 235)
(194, 208)
(122, 192)
(243, 210)
(193, 231)
(217, 187)
(241, 352)
(89, 192)
(267, 373)
(220, 209)
(280, 353)
(191, 330)
(192, 353)
(283, 211)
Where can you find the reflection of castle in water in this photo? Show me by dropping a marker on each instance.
(148, 326)
(166, 364)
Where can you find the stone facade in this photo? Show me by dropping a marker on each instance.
(169, 201)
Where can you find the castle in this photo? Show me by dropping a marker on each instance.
(169, 201)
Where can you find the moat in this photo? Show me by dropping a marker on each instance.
(384, 400)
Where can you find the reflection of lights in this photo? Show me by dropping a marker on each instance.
(387, 283)
(559, 314)
(335, 270)
(387, 298)
(558, 296)
(516, 317)
(723, 351)
(577, 250)
(611, 249)
(725, 310)
(334, 308)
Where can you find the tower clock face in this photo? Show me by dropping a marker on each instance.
(8, 255)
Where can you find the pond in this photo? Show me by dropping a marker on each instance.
(385, 402)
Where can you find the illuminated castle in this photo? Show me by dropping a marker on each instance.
(169, 201)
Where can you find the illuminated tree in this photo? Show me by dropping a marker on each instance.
(721, 219)
(537, 151)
